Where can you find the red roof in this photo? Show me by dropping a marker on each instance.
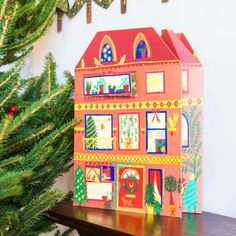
(184, 40)
(180, 46)
(124, 43)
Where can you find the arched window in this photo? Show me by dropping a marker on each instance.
(185, 132)
(141, 48)
(107, 50)
(106, 54)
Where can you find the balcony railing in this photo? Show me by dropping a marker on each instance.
(99, 143)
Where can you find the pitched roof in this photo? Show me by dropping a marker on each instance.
(180, 46)
(124, 44)
(185, 41)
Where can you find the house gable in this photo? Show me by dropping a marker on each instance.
(181, 49)
(125, 43)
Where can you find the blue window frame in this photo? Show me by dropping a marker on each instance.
(98, 132)
(107, 84)
(106, 54)
(141, 50)
(156, 132)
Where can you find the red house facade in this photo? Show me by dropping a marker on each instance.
(135, 91)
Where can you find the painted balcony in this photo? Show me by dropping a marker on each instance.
(99, 143)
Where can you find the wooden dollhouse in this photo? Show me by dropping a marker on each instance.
(139, 146)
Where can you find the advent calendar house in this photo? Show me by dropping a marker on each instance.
(139, 95)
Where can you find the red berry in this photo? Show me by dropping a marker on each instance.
(13, 109)
(9, 113)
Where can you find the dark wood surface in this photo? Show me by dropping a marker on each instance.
(91, 222)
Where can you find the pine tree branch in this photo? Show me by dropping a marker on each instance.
(28, 138)
(10, 183)
(8, 76)
(29, 39)
(3, 127)
(3, 9)
(10, 161)
(35, 209)
(8, 20)
(28, 113)
(49, 139)
(10, 93)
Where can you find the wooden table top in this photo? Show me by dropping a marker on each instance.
(91, 222)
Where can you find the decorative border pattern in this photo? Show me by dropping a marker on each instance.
(161, 104)
(118, 65)
(143, 159)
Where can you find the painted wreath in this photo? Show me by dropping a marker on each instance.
(131, 184)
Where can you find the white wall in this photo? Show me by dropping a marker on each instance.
(211, 28)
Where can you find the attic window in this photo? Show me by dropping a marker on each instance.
(106, 54)
(107, 50)
(141, 48)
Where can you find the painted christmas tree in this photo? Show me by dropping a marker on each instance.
(150, 201)
(190, 199)
(80, 189)
(91, 134)
(149, 195)
(157, 194)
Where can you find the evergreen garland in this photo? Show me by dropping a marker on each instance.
(63, 7)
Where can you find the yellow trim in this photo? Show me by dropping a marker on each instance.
(107, 39)
(139, 37)
(147, 105)
(134, 210)
(93, 141)
(79, 128)
(130, 63)
(136, 158)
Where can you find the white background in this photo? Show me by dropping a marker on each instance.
(210, 26)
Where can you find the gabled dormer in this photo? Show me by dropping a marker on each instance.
(141, 47)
